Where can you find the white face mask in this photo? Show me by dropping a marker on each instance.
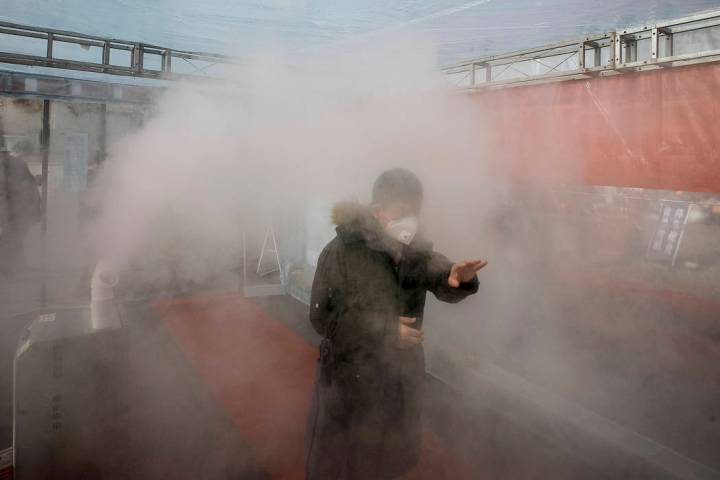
(403, 229)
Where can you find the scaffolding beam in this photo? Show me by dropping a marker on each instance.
(137, 54)
(567, 60)
(20, 84)
(612, 53)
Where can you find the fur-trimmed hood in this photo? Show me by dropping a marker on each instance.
(345, 213)
(356, 223)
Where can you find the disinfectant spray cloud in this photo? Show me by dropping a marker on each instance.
(218, 157)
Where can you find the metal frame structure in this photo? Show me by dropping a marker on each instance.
(138, 53)
(610, 53)
(20, 84)
(634, 49)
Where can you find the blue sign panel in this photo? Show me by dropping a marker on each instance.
(75, 164)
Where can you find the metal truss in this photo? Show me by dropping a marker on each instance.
(106, 55)
(662, 45)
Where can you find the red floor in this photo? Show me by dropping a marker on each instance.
(262, 372)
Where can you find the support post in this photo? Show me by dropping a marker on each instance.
(655, 40)
(102, 137)
(45, 143)
(597, 54)
(167, 61)
(629, 46)
(49, 52)
(615, 49)
(106, 56)
(137, 58)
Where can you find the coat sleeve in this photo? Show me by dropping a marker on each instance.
(438, 270)
(325, 289)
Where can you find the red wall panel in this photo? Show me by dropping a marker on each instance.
(657, 129)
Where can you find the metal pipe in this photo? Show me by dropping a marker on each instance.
(102, 137)
(45, 142)
(519, 53)
(8, 31)
(50, 38)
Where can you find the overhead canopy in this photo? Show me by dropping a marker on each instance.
(460, 29)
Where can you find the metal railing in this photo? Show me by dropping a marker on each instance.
(661, 45)
(112, 56)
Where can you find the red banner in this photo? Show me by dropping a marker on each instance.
(657, 129)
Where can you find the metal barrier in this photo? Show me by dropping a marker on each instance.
(661, 45)
(634, 49)
(136, 56)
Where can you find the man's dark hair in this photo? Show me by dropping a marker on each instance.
(397, 184)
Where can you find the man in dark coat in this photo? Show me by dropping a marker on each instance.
(367, 302)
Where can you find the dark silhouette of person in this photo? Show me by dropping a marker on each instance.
(367, 301)
(20, 206)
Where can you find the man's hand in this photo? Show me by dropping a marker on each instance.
(408, 337)
(464, 271)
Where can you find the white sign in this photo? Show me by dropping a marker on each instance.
(669, 232)
(46, 317)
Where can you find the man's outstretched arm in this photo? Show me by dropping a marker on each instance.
(452, 282)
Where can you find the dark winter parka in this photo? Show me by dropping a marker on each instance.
(365, 418)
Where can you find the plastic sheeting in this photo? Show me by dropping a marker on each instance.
(459, 28)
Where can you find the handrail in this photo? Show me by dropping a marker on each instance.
(610, 53)
(136, 66)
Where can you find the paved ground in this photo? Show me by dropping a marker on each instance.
(216, 382)
(137, 412)
(20, 293)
